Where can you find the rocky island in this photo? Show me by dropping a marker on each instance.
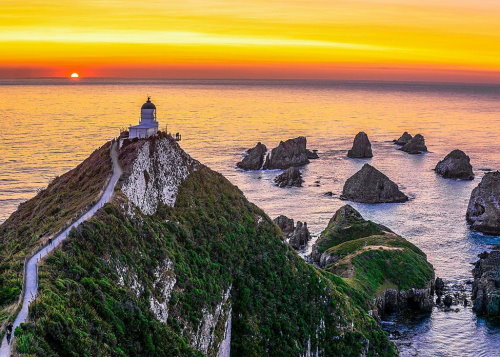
(403, 139)
(291, 177)
(369, 185)
(455, 165)
(415, 145)
(483, 211)
(361, 147)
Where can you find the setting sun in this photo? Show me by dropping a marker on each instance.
(74, 75)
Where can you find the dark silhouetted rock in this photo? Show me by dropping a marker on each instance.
(483, 212)
(312, 154)
(297, 236)
(415, 146)
(291, 177)
(448, 300)
(486, 285)
(369, 185)
(288, 153)
(286, 224)
(393, 300)
(254, 158)
(403, 139)
(455, 165)
(361, 147)
(439, 286)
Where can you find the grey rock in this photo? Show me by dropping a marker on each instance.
(290, 177)
(298, 236)
(361, 147)
(483, 211)
(392, 300)
(439, 286)
(312, 154)
(254, 158)
(415, 146)
(369, 185)
(286, 224)
(486, 285)
(288, 153)
(448, 300)
(403, 139)
(455, 165)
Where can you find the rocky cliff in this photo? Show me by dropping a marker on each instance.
(486, 286)
(181, 264)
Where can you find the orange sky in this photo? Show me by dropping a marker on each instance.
(442, 40)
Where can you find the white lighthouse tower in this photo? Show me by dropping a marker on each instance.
(148, 125)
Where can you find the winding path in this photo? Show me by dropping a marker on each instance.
(31, 278)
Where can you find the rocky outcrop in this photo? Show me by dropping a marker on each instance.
(415, 146)
(292, 152)
(455, 165)
(403, 139)
(369, 185)
(483, 212)
(361, 147)
(291, 177)
(393, 300)
(312, 154)
(486, 285)
(254, 158)
(298, 236)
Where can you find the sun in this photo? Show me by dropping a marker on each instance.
(75, 75)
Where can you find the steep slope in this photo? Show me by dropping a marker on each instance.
(39, 219)
(181, 264)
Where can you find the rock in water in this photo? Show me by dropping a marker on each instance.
(483, 212)
(291, 177)
(288, 153)
(361, 147)
(415, 146)
(455, 165)
(297, 236)
(403, 139)
(300, 236)
(312, 154)
(369, 185)
(486, 286)
(254, 158)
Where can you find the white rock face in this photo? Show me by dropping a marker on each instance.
(164, 284)
(205, 335)
(225, 346)
(128, 278)
(156, 175)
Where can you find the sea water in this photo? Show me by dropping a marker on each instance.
(48, 126)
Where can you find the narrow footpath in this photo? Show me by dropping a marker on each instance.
(31, 278)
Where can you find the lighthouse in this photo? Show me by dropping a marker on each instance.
(148, 125)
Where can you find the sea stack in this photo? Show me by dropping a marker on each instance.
(486, 285)
(297, 236)
(415, 146)
(403, 139)
(361, 147)
(455, 165)
(483, 212)
(254, 158)
(292, 152)
(290, 178)
(369, 185)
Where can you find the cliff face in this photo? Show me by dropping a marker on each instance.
(180, 263)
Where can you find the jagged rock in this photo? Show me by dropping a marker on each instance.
(286, 224)
(486, 285)
(361, 147)
(369, 185)
(288, 153)
(291, 177)
(312, 154)
(415, 146)
(439, 286)
(483, 212)
(403, 139)
(300, 236)
(254, 158)
(297, 236)
(448, 300)
(393, 300)
(455, 165)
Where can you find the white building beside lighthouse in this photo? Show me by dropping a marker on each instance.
(148, 125)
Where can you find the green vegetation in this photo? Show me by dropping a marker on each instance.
(96, 291)
(36, 220)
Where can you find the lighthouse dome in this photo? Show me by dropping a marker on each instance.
(148, 104)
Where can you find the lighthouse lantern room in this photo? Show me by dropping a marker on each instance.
(148, 125)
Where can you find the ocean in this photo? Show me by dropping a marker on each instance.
(48, 126)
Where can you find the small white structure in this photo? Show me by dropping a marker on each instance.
(148, 125)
